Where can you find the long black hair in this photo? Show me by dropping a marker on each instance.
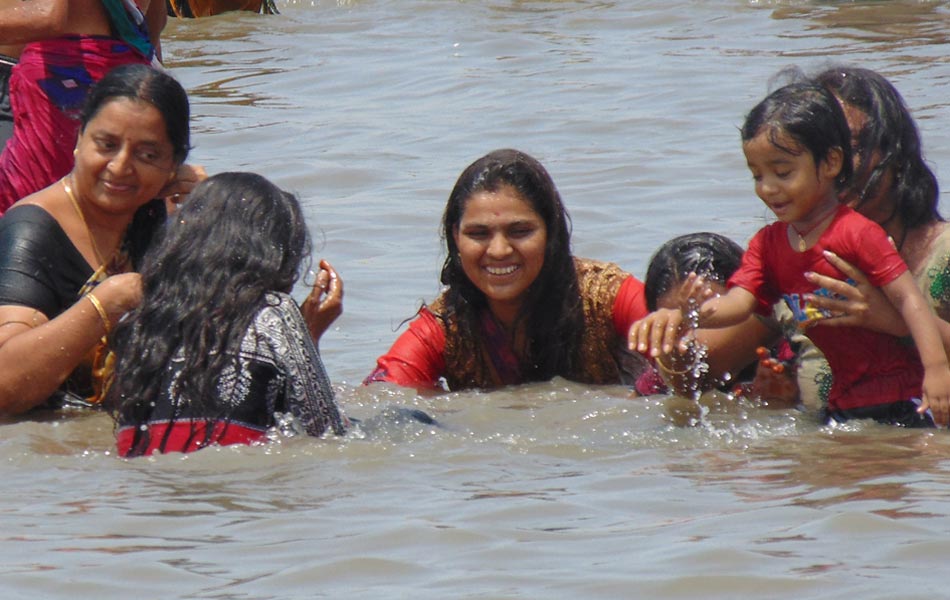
(891, 133)
(811, 116)
(552, 312)
(711, 255)
(237, 237)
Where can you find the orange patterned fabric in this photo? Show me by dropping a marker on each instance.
(467, 361)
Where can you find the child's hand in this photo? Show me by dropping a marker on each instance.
(657, 333)
(325, 302)
(694, 290)
(936, 394)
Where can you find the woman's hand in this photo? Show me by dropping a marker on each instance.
(658, 333)
(178, 187)
(325, 302)
(859, 304)
(119, 294)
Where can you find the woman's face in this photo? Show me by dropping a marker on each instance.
(501, 242)
(878, 208)
(123, 157)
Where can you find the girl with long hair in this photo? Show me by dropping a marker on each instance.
(218, 352)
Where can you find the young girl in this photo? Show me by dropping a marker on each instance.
(218, 348)
(797, 145)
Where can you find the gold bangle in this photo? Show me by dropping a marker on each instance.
(669, 371)
(102, 312)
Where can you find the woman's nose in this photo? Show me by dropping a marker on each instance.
(121, 162)
(499, 246)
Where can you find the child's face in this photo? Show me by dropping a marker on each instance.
(791, 185)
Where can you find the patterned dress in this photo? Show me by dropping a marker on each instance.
(278, 372)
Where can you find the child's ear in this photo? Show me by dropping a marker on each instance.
(832, 164)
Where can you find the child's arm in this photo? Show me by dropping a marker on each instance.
(730, 309)
(921, 321)
(661, 330)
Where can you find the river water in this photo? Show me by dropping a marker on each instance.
(369, 110)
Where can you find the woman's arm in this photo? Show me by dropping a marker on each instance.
(38, 354)
(417, 358)
(665, 329)
(156, 16)
(920, 319)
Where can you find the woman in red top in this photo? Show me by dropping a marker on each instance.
(517, 306)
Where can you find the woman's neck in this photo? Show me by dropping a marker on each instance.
(506, 313)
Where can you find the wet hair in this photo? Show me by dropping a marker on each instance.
(238, 237)
(891, 132)
(808, 114)
(146, 84)
(711, 255)
(552, 311)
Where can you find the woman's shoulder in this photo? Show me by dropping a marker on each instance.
(276, 325)
(31, 227)
(589, 267)
(599, 279)
(278, 307)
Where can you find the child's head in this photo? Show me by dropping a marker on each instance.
(804, 117)
(236, 230)
(711, 255)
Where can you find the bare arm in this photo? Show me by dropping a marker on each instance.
(733, 308)
(908, 300)
(155, 19)
(38, 354)
(662, 330)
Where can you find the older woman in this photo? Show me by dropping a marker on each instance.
(518, 306)
(68, 252)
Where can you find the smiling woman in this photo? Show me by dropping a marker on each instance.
(68, 252)
(518, 306)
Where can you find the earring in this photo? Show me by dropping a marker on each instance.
(75, 152)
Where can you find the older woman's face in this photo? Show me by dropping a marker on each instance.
(123, 157)
(501, 242)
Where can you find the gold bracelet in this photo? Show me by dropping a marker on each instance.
(670, 371)
(102, 312)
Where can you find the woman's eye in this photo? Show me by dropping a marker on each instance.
(522, 232)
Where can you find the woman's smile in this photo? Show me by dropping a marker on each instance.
(501, 242)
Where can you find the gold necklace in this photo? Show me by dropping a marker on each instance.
(802, 246)
(92, 240)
